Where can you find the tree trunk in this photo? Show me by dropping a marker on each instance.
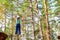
(39, 21)
(47, 23)
(32, 19)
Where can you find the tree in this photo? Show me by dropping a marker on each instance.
(39, 20)
(32, 19)
(47, 22)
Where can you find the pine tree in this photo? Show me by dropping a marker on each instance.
(33, 26)
(47, 22)
(39, 20)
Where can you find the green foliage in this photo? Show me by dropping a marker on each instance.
(2, 1)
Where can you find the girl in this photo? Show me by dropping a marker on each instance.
(18, 30)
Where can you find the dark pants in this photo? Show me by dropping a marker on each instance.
(18, 30)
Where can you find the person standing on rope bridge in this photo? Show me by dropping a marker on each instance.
(18, 26)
